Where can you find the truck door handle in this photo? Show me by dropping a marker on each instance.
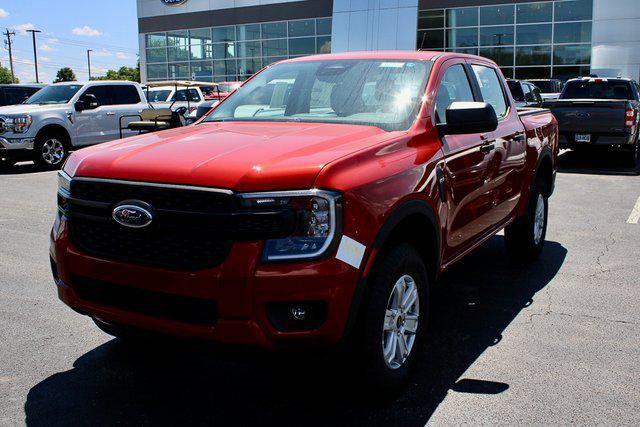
(110, 113)
(487, 148)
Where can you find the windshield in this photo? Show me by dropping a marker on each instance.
(158, 95)
(547, 86)
(56, 94)
(597, 89)
(382, 93)
(516, 90)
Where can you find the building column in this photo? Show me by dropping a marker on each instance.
(616, 38)
(364, 25)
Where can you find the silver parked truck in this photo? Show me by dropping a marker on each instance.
(65, 116)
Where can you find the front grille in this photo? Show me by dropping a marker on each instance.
(191, 229)
(173, 307)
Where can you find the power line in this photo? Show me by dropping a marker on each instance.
(80, 43)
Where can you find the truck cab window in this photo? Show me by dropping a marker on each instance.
(491, 89)
(454, 87)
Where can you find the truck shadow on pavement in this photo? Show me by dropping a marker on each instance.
(596, 162)
(115, 384)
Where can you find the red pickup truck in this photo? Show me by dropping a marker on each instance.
(316, 205)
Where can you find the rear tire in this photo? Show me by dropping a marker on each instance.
(634, 155)
(50, 150)
(394, 321)
(525, 237)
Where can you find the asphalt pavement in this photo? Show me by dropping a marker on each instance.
(554, 342)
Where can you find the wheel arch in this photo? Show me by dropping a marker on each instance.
(545, 172)
(400, 226)
(57, 129)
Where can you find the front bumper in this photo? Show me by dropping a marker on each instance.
(16, 148)
(241, 288)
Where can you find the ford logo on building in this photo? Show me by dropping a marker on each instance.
(132, 216)
(174, 2)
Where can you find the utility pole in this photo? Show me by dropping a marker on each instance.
(35, 53)
(7, 44)
(89, 61)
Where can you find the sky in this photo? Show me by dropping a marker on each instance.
(69, 28)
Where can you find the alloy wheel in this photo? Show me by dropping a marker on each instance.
(53, 151)
(538, 223)
(401, 322)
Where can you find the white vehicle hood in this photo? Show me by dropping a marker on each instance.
(12, 110)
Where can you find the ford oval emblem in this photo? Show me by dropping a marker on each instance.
(174, 2)
(132, 216)
(583, 115)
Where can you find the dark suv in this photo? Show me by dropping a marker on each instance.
(16, 94)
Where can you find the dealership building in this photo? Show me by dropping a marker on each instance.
(228, 40)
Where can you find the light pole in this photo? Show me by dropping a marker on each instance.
(35, 52)
(89, 61)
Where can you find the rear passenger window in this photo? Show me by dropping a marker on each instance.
(125, 94)
(491, 89)
(454, 87)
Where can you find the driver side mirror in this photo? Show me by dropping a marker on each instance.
(86, 102)
(469, 117)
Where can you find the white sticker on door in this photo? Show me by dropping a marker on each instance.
(350, 251)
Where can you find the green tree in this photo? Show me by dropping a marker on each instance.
(124, 73)
(5, 76)
(65, 74)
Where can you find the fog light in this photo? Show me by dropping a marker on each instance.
(296, 316)
(299, 313)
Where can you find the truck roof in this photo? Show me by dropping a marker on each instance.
(97, 81)
(390, 54)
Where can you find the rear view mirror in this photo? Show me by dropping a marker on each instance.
(468, 118)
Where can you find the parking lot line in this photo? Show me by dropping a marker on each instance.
(635, 213)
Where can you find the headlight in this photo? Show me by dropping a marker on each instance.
(64, 190)
(317, 222)
(21, 124)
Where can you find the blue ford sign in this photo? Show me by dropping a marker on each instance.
(174, 2)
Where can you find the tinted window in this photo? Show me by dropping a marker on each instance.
(114, 94)
(495, 15)
(516, 90)
(491, 89)
(125, 94)
(182, 95)
(588, 89)
(454, 87)
(462, 17)
(15, 96)
(534, 12)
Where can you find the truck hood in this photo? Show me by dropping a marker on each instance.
(242, 156)
(15, 110)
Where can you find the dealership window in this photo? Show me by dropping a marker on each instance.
(534, 39)
(233, 52)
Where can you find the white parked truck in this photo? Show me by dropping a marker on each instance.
(66, 116)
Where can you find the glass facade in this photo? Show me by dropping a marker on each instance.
(233, 52)
(527, 40)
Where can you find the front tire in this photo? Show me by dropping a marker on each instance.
(50, 151)
(525, 237)
(395, 320)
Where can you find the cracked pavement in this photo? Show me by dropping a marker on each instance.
(554, 342)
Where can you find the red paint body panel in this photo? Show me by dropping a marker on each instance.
(375, 171)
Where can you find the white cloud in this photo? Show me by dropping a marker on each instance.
(102, 53)
(122, 55)
(46, 48)
(53, 40)
(3, 13)
(44, 59)
(86, 31)
(22, 28)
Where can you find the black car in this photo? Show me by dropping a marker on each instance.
(593, 111)
(524, 93)
(17, 94)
